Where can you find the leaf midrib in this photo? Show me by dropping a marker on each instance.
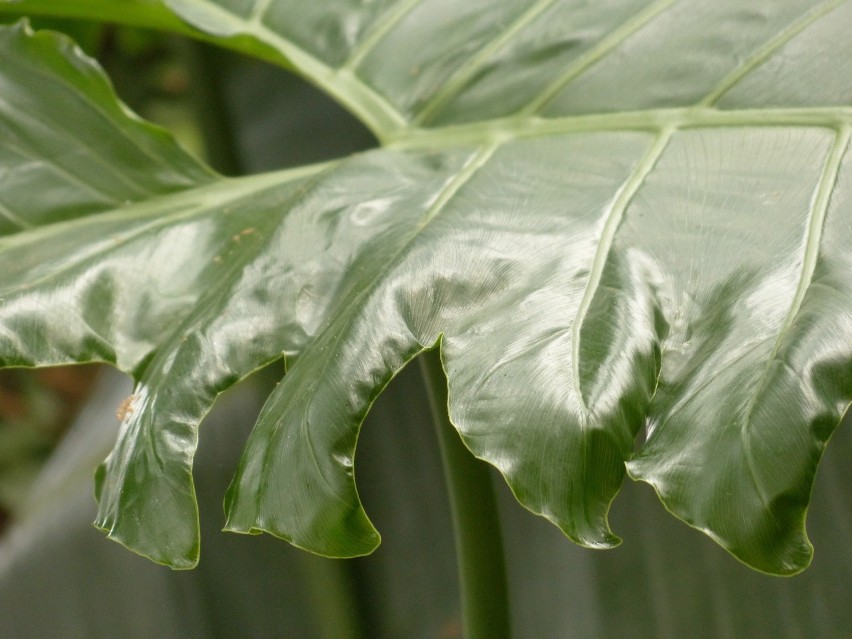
(499, 130)
(388, 123)
(393, 128)
(614, 215)
(819, 211)
(199, 200)
(341, 83)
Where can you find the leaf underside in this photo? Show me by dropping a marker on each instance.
(617, 219)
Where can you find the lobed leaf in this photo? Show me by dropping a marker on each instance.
(609, 216)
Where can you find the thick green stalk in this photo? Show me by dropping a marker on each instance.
(209, 102)
(476, 525)
(331, 591)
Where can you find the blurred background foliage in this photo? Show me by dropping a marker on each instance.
(60, 578)
(35, 410)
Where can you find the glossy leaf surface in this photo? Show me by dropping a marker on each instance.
(611, 217)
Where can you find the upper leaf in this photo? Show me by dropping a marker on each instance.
(610, 216)
(97, 156)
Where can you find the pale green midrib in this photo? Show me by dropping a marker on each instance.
(221, 190)
(818, 213)
(613, 218)
(216, 195)
(504, 129)
(763, 53)
(342, 84)
(392, 128)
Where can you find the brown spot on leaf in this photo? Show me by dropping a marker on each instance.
(125, 408)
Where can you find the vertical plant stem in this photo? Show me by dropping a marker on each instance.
(330, 587)
(476, 525)
(207, 94)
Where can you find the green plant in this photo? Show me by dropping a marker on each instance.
(609, 215)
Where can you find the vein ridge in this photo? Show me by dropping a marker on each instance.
(384, 24)
(258, 11)
(689, 117)
(15, 219)
(817, 214)
(465, 72)
(610, 42)
(764, 52)
(362, 100)
(613, 219)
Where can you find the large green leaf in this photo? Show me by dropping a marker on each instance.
(94, 157)
(610, 217)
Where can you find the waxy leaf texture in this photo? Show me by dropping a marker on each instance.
(626, 225)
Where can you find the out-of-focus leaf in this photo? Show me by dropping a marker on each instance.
(64, 156)
(613, 216)
(35, 410)
(143, 13)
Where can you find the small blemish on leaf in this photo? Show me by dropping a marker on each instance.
(239, 235)
(125, 408)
